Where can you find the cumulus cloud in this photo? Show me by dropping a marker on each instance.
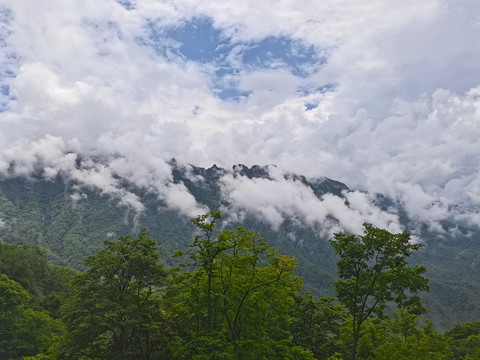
(278, 197)
(178, 198)
(381, 95)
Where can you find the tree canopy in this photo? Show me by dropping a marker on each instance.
(374, 272)
(233, 297)
(237, 302)
(116, 302)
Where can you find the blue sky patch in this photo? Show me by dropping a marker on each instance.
(232, 94)
(127, 4)
(200, 41)
(9, 60)
(315, 89)
(5, 90)
(283, 53)
(5, 98)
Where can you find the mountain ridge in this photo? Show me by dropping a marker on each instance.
(72, 220)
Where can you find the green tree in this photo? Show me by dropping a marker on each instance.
(401, 337)
(317, 325)
(374, 272)
(238, 300)
(115, 311)
(464, 340)
(24, 330)
(27, 265)
(206, 253)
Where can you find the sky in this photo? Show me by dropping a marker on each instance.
(382, 95)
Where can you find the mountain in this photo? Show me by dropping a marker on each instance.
(71, 219)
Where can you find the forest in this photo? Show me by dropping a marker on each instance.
(230, 296)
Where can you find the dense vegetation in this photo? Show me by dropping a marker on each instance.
(231, 296)
(72, 221)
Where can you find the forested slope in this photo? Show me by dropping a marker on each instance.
(232, 297)
(72, 221)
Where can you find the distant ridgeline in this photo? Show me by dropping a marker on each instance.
(72, 220)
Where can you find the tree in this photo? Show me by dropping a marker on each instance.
(317, 325)
(401, 337)
(114, 312)
(24, 330)
(207, 251)
(464, 340)
(27, 265)
(237, 302)
(374, 272)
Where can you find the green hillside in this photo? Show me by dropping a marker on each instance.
(71, 224)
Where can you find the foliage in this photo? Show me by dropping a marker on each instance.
(317, 325)
(115, 311)
(235, 297)
(373, 272)
(71, 221)
(24, 330)
(464, 340)
(28, 265)
(238, 301)
(43, 213)
(400, 337)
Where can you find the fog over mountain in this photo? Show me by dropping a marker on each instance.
(383, 96)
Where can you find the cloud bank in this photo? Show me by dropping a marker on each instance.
(278, 197)
(381, 95)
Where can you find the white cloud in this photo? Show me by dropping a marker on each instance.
(268, 88)
(178, 198)
(403, 117)
(277, 198)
